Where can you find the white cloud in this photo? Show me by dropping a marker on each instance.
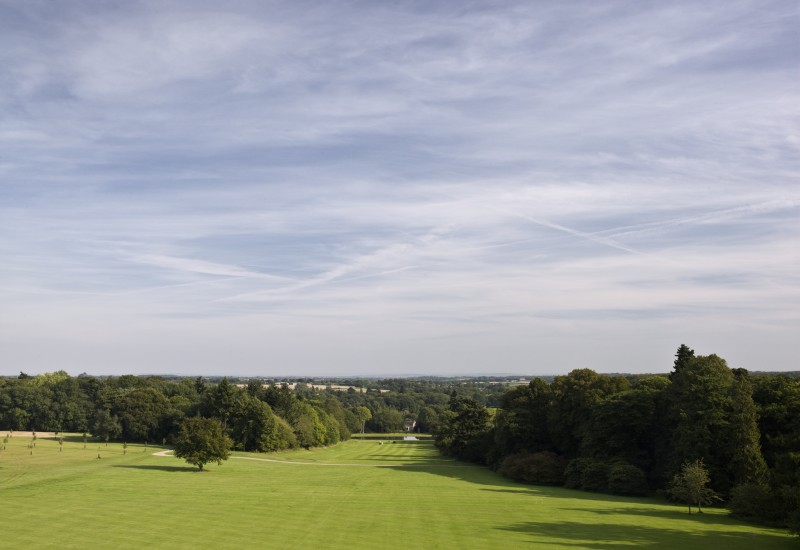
(525, 188)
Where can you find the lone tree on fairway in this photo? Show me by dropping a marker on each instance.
(691, 485)
(201, 441)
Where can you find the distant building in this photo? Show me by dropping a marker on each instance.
(409, 425)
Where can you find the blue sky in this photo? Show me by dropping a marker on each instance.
(374, 188)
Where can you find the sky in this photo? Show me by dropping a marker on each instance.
(385, 188)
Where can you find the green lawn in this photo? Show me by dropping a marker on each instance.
(327, 498)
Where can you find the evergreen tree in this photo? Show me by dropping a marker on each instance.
(699, 401)
(746, 463)
(683, 358)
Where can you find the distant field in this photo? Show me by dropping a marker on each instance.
(326, 498)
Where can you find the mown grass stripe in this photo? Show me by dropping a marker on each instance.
(415, 500)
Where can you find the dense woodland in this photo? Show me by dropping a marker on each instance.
(627, 435)
(617, 434)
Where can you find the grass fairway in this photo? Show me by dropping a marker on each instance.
(359, 494)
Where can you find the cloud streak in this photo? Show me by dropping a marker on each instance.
(364, 188)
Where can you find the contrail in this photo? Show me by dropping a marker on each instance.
(758, 208)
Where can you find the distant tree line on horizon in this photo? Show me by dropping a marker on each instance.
(256, 416)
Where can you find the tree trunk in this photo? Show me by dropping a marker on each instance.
(200, 466)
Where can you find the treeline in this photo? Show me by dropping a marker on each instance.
(631, 435)
(258, 417)
(130, 408)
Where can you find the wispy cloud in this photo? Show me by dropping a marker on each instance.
(358, 187)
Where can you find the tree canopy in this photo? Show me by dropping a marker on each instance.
(201, 440)
(690, 485)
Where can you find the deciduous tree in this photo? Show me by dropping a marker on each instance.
(201, 440)
(691, 486)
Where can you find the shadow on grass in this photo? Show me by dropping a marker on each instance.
(158, 468)
(698, 530)
(623, 537)
(676, 513)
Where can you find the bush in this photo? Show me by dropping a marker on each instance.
(543, 468)
(587, 474)
(626, 479)
(793, 522)
(620, 478)
(573, 473)
(756, 502)
(595, 477)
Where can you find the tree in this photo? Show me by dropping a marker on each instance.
(427, 420)
(307, 425)
(256, 428)
(683, 358)
(142, 414)
(574, 399)
(699, 406)
(386, 420)
(106, 426)
(625, 426)
(363, 414)
(224, 399)
(521, 423)
(464, 430)
(201, 440)
(691, 485)
(743, 438)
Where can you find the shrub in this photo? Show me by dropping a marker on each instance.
(753, 501)
(793, 522)
(595, 477)
(544, 468)
(573, 473)
(626, 479)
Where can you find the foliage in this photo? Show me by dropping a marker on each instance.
(746, 463)
(363, 414)
(574, 398)
(691, 486)
(573, 473)
(626, 479)
(427, 420)
(594, 476)
(386, 420)
(793, 522)
(626, 426)
(542, 468)
(715, 419)
(521, 423)
(464, 430)
(201, 440)
(745, 426)
(256, 428)
(757, 502)
(106, 426)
